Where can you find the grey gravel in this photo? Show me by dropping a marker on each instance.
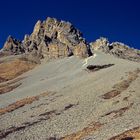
(72, 84)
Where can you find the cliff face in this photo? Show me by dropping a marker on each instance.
(116, 48)
(51, 38)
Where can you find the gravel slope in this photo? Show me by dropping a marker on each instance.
(74, 100)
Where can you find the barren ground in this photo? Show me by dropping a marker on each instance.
(61, 99)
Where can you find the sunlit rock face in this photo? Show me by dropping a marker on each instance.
(123, 51)
(51, 39)
(101, 44)
(116, 48)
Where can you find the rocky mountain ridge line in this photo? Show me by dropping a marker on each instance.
(52, 39)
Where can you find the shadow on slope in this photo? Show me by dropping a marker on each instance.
(93, 68)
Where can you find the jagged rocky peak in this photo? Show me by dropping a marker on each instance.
(47, 33)
(63, 31)
(118, 49)
(13, 46)
(52, 39)
(100, 44)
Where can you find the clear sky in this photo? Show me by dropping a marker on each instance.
(118, 20)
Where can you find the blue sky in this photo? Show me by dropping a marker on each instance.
(118, 20)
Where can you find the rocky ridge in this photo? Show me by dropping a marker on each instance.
(52, 39)
(117, 49)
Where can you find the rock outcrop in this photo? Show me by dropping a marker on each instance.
(101, 44)
(117, 49)
(13, 46)
(52, 39)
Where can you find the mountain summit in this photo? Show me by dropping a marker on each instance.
(50, 38)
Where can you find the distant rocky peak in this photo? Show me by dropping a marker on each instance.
(101, 44)
(13, 46)
(117, 49)
(119, 45)
(11, 39)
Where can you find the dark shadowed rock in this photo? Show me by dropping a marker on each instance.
(98, 67)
